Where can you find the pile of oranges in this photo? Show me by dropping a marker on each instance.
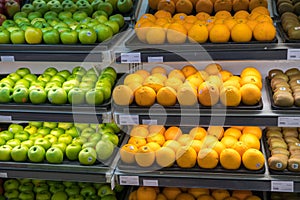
(175, 193)
(188, 87)
(223, 27)
(231, 147)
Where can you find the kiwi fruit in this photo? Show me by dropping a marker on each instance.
(297, 8)
(274, 133)
(294, 164)
(273, 128)
(283, 76)
(294, 32)
(285, 7)
(278, 162)
(280, 151)
(282, 88)
(278, 144)
(223, 5)
(288, 15)
(273, 72)
(204, 6)
(275, 81)
(292, 71)
(283, 98)
(290, 139)
(282, 1)
(290, 132)
(275, 139)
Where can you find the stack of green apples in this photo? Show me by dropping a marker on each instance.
(80, 86)
(57, 141)
(28, 189)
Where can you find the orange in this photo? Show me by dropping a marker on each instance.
(172, 133)
(253, 15)
(240, 147)
(137, 78)
(196, 192)
(188, 70)
(263, 18)
(213, 69)
(145, 96)
(223, 14)
(176, 73)
(232, 82)
(137, 141)
(188, 26)
(217, 131)
(165, 157)
(180, 16)
(241, 21)
(176, 33)
(230, 96)
(264, 31)
(160, 196)
(261, 10)
(197, 145)
(219, 147)
(237, 78)
(144, 73)
(220, 194)
(142, 28)
(134, 86)
(145, 156)
(195, 79)
(209, 141)
(250, 140)
(153, 82)
(253, 197)
(123, 95)
(158, 69)
(229, 141)
(251, 23)
(231, 198)
(207, 158)
(233, 132)
(205, 197)
(186, 157)
(241, 194)
(251, 94)
(253, 159)
(127, 152)
(185, 196)
(219, 33)
(171, 192)
(219, 21)
(157, 138)
(173, 82)
(166, 96)
(133, 195)
(162, 14)
(230, 22)
(184, 139)
(190, 19)
(197, 133)
(156, 35)
(149, 17)
(146, 193)
(153, 146)
(161, 22)
(241, 32)
(153, 129)
(162, 77)
(215, 79)
(251, 71)
(202, 16)
(187, 94)
(225, 75)
(198, 33)
(173, 144)
(241, 14)
(253, 80)
(139, 131)
(208, 94)
(230, 159)
(255, 130)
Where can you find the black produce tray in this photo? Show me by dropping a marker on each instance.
(270, 94)
(268, 155)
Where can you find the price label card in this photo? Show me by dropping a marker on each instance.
(129, 180)
(282, 186)
(293, 54)
(150, 121)
(153, 59)
(131, 57)
(288, 121)
(150, 182)
(129, 119)
(3, 175)
(7, 59)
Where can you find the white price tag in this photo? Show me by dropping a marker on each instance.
(153, 59)
(131, 57)
(7, 59)
(129, 180)
(150, 183)
(288, 121)
(129, 119)
(3, 175)
(282, 186)
(293, 54)
(149, 121)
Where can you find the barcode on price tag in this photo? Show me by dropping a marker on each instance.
(153, 59)
(129, 119)
(131, 57)
(150, 182)
(3, 175)
(129, 180)
(282, 186)
(288, 121)
(7, 59)
(293, 54)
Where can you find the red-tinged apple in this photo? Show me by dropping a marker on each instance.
(36, 153)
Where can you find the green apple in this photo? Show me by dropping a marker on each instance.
(104, 32)
(27, 186)
(58, 78)
(65, 15)
(98, 13)
(2, 141)
(17, 37)
(72, 151)
(117, 18)
(65, 138)
(70, 7)
(76, 96)
(20, 15)
(36, 153)
(14, 76)
(65, 125)
(36, 124)
(95, 137)
(15, 128)
(19, 153)
(44, 77)
(22, 82)
(86, 85)
(33, 35)
(106, 7)
(89, 77)
(73, 190)
(41, 187)
(81, 126)
(87, 36)
(45, 143)
(124, 6)
(8, 80)
(38, 83)
(55, 6)
(38, 96)
(73, 132)
(58, 187)
(79, 15)
(87, 132)
(57, 96)
(94, 97)
(106, 91)
(13, 142)
(22, 136)
(50, 125)
(12, 194)
(35, 136)
(50, 71)
(79, 140)
(54, 155)
(114, 26)
(51, 85)
(69, 84)
(109, 197)
(89, 144)
(68, 184)
(87, 156)
(88, 191)
(62, 146)
(26, 195)
(27, 143)
(64, 73)
(43, 195)
(5, 151)
(69, 37)
(52, 139)
(105, 190)
(11, 184)
(111, 137)
(43, 130)
(61, 195)
(79, 70)
(4, 36)
(30, 77)
(5, 94)
(27, 8)
(57, 131)
(51, 37)
(113, 3)
(113, 126)
(38, 182)
(104, 149)
(50, 15)
(6, 135)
